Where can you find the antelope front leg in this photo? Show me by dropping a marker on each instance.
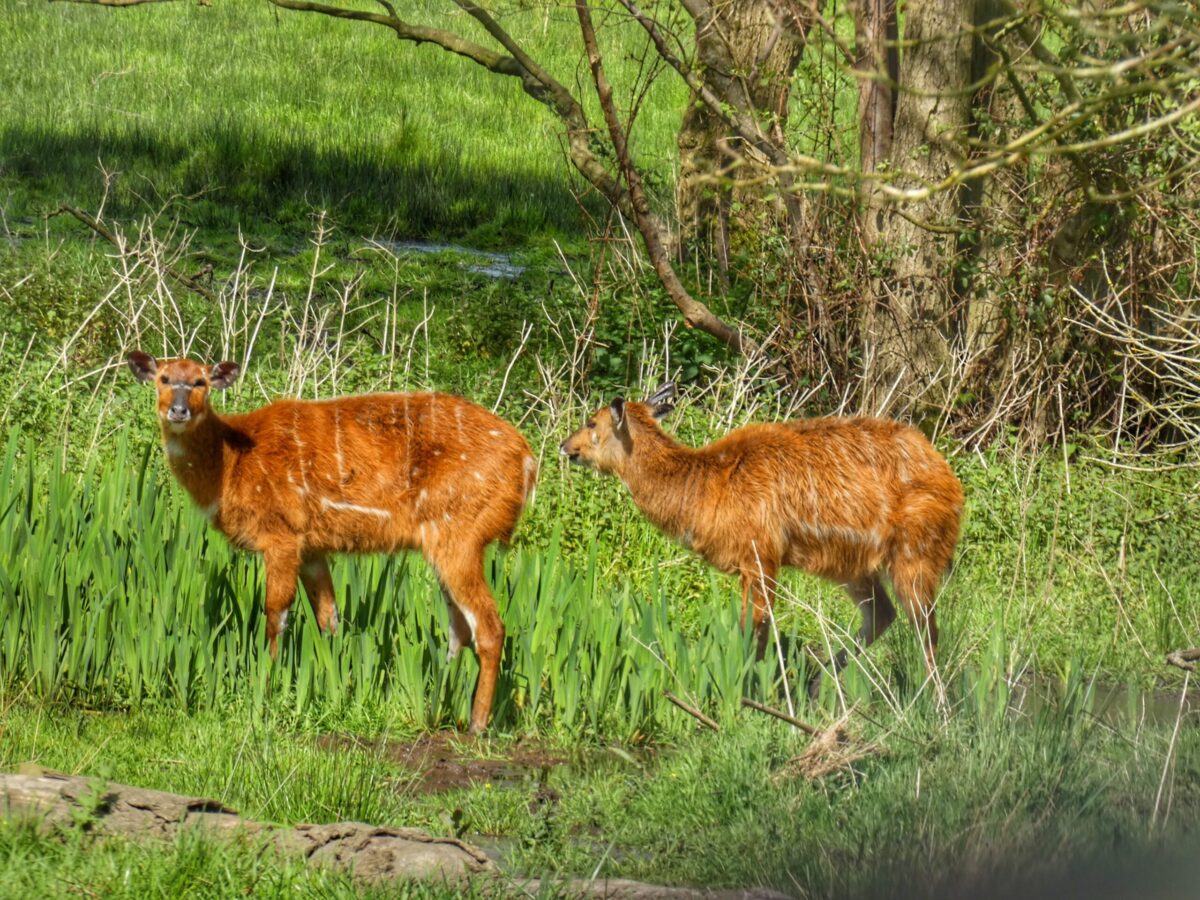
(282, 566)
(318, 584)
(760, 586)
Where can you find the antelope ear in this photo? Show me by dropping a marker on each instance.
(222, 375)
(143, 365)
(617, 410)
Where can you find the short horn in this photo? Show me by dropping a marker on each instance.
(665, 392)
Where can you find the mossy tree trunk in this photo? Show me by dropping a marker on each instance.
(746, 53)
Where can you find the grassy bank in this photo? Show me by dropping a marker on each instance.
(985, 801)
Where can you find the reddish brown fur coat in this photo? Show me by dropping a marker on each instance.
(845, 499)
(298, 480)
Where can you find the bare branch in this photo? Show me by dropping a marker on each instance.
(189, 281)
(691, 710)
(695, 313)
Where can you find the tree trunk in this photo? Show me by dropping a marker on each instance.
(994, 207)
(877, 66)
(910, 321)
(746, 52)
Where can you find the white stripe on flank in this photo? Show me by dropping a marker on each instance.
(326, 503)
(337, 443)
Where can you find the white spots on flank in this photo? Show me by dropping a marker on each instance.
(326, 503)
(422, 497)
(478, 475)
(445, 517)
(416, 470)
(494, 432)
(463, 457)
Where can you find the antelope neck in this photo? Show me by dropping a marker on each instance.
(197, 456)
(661, 475)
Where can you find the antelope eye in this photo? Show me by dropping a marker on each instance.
(590, 424)
(200, 382)
(164, 379)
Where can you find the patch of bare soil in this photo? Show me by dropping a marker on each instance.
(446, 760)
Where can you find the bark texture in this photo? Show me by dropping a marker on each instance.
(746, 53)
(911, 322)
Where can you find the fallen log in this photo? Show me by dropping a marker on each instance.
(369, 852)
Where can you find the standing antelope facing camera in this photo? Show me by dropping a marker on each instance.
(298, 480)
(845, 499)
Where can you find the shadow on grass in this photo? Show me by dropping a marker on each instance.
(230, 174)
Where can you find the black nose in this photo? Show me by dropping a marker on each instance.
(178, 414)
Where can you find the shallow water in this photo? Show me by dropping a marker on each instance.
(493, 265)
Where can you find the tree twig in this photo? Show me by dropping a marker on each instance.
(581, 138)
(188, 281)
(692, 711)
(780, 714)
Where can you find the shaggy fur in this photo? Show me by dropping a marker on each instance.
(845, 499)
(299, 480)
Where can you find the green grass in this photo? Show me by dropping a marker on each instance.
(256, 113)
(983, 800)
(75, 864)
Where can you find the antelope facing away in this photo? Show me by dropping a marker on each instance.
(298, 480)
(845, 499)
